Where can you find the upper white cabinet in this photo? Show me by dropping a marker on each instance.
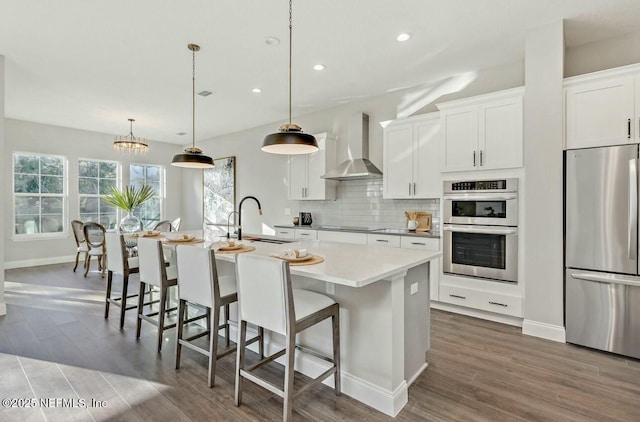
(603, 108)
(411, 158)
(483, 132)
(305, 170)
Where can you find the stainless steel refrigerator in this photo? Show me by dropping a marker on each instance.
(602, 286)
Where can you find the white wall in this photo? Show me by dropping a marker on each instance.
(265, 175)
(3, 307)
(601, 55)
(25, 136)
(543, 135)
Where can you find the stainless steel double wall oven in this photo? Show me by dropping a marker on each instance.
(480, 229)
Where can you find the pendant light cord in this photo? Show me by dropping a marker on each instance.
(290, 47)
(193, 100)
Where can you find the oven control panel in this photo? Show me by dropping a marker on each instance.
(497, 185)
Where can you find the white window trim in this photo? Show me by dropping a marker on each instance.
(65, 200)
(119, 212)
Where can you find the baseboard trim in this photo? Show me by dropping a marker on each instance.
(476, 313)
(417, 374)
(41, 261)
(386, 401)
(544, 330)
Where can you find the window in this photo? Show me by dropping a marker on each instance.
(38, 194)
(139, 174)
(95, 178)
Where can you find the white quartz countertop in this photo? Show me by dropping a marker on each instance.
(345, 264)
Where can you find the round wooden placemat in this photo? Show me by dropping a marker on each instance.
(239, 250)
(183, 242)
(315, 259)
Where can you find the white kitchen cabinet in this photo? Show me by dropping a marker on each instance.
(411, 150)
(602, 108)
(305, 171)
(427, 244)
(305, 234)
(285, 233)
(388, 240)
(483, 132)
(344, 237)
(481, 299)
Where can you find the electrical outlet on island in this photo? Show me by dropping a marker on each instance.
(331, 288)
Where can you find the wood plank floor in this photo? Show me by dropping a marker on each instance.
(55, 343)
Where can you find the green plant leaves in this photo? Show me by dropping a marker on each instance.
(128, 197)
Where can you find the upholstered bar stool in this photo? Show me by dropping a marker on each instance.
(81, 243)
(266, 298)
(94, 237)
(154, 272)
(118, 262)
(199, 284)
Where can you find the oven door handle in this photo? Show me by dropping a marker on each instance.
(481, 230)
(481, 197)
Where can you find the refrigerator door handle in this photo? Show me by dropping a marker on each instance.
(632, 239)
(608, 279)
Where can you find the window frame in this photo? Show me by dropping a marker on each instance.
(118, 184)
(163, 188)
(65, 198)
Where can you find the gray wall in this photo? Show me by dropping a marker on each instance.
(543, 136)
(606, 54)
(73, 144)
(3, 307)
(265, 175)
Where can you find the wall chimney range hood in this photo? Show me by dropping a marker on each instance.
(358, 167)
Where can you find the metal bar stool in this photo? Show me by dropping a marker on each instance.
(266, 298)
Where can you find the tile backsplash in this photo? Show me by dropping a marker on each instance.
(360, 203)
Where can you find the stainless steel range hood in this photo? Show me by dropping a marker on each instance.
(358, 166)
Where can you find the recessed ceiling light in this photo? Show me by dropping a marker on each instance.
(404, 36)
(205, 93)
(319, 66)
(256, 90)
(272, 41)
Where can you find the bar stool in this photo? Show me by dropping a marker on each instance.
(94, 236)
(199, 284)
(266, 298)
(118, 262)
(154, 272)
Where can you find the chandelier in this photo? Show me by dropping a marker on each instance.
(130, 143)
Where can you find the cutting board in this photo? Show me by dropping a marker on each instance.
(424, 220)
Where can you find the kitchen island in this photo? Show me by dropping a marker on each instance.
(384, 316)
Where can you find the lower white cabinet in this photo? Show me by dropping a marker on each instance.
(388, 240)
(305, 234)
(481, 299)
(344, 237)
(432, 245)
(285, 233)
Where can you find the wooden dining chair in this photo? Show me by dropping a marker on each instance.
(267, 299)
(94, 235)
(81, 243)
(163, 226)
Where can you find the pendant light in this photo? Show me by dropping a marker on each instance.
(290, 139)
(130, 143)
(193, 157)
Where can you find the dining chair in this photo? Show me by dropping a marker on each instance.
(176, 224)
(199, 284)
(119, 262)
(154, 272)
(267, 299)
(163, 226)
(81, 243)
(94, 235)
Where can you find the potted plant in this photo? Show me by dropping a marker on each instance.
(128, 198)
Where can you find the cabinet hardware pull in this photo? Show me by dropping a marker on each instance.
(474, 158)
(284, 232)
(382, 240)
(304, 234)
(457, 296)
(480, 158)
(414, 189)
(628, 128)
(498, 303)
(418, 243)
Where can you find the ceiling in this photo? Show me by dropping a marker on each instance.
(92, 64)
